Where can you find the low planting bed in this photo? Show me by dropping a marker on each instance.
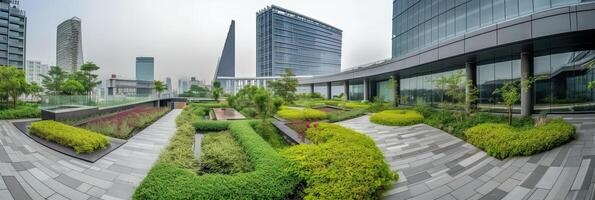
(80, 140)
(397, 117)
(125, 124)
(20, 112)
(222, 154)
(345, 115)
(502, 141)
(303, 114)
(340, 164)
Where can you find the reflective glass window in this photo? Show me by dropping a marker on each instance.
(450, 23)
(473, 19)
(512, 8)
(461, 23)
(498, 10)
(486, 12)
(525, 7)
(541, 4)
(442, 26)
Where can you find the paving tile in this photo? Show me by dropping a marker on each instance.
(518, 192)
(5, 195)
(549, 178)
(494, 194)
(582, 172)
(466, 191)
(418, 177)
(539, 194)
(68, 181)
(433, 194)
(487, 187)
(16, 189)
(534, 177)
(562, 186)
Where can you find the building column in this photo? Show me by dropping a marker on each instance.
(397, 97)
(470, 75)
(346, 84)
(526, 93)
(373, 90)
(366, 90)
(328, 90)
(312, 88)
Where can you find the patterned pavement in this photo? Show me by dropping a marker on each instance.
(433, 164)
(31, 171)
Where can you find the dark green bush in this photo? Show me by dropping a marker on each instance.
(81, 140)
(502, 141)
(446, 121)
(345, 115)
(269, 180)
(210, 105)
(191, 113)
(249, 112)
(21, 112)
(397, 117)
(269, 133)
(179, 152)
(341, 164)
(221, 154)
(211, 126)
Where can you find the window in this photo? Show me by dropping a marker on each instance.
(473, 19)
(525, 7)
(499, 13)
(442, 26)
(461, 23)
(512, 8)
(450, 23)
(486, 12)
(541, 4)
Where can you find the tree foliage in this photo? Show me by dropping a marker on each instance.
(159, 87)
(54, 80)
(12, 83)
(510, 93)
(285, 87)
(86, 76)
(217, 90)
(196, 91)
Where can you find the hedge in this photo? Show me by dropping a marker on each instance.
(355, 105)
(20, 112)
(190, 114)
(340, 164)
(210, 125)
(397, 118)
(345, 115)
(81, 140)
(502, 141)
(306, 113)
(221, 154)
(269, 180)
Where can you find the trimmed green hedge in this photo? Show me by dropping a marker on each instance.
(21, 112)
(191, 113)
(502, 141)
(306, 113)
(210, 125)
(269, 180)
(345, 115)
(397, 118)
(81, 140)
(341, 164)
(221, 154)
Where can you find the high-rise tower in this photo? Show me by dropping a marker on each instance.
(69, 45)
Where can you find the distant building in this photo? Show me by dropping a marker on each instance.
(168, 84)
(129, 87)
(232, 85)
(69, 45)
(226, 66)
(183, 85)
(194, 81)
(289, 40)
(145, 68)
(34, 70)
(13, 30)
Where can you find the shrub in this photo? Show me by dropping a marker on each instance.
(341, 164)
(397, 117)
(126, 122)
(355, 105)
(249, 112)
(446, 121)
(345, 115)
(81, 140)
(502, 140)
(269, 134)
(20, 112)
(190, 114)
(221, 154)
(269, 180)
(179, 152)
(306, 113)
(210, 105)
(211, 126)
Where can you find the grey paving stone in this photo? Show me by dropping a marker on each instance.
(16, 190)
(495, 194)
(5, 195)
(459, 182)
(517, 193)
(549, 178)
(418, 177)
(539, 194)
(22, 166)
(477, 173)
(487, 187)
(534, 177)
(418, 189)
(68, 181)
(433, 194)
(468, 190)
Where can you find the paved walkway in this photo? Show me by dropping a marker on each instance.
(32, 171)
(433, 164)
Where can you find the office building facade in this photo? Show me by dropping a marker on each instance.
(289, 40)
(34, 71)
(69, 45)
(13, 35)
(490, 42)
(145, 68)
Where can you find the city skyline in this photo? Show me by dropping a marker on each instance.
(131, 29)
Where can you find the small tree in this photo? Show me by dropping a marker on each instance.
(264, 104)
(393, 86)
(159, 87)
(590, 65)
(87, 78)
(471, 97)
(72, 87)
(34, 89)
(510, 93)
(54, 81)
(217, 90)
(13, 83)
(285, 87)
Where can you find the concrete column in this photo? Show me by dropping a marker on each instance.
(397, 96)
(366, 90)
(346, 84)
(373, 90)
(329, 93)
(311, 88)
(526, 94)
(470, 74)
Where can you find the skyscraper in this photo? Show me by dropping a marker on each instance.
(69, 45)
(145, 68)
(34, 70)
(289, 40)
(226, 66)
(13, 30)
(168, 84)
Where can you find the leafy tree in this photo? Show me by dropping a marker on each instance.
(590, 65)
(12, 83)
(54, 81)
(263, 102)
(510, 93)
(217, 90)
(471, 97)
(72, 87)
(286, 86)
(87, 78)
(34, 89)
(159, 87)
(393, 86)
(196, 91)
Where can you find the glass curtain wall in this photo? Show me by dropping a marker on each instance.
(493, 74)
(321, 89)
(385, 91)
(303, 89)
(424, 89)
(356, 90)
(337, 89)
(421, 23)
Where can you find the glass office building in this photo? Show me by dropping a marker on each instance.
(489, 43)
(145, 68)
(69, 45)
(13, 32)
(288, 40)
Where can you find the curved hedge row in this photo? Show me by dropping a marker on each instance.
(355, 105)
(296, 114)
(81, 140)
(397, 118)
(341, 164)
(269, 180)
(502, 141)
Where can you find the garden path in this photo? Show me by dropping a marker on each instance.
(433, 164)
(32, 171)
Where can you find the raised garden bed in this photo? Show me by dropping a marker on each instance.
(127, 123)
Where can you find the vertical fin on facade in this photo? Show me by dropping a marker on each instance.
(227, 62)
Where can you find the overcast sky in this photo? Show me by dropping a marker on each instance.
(186, 36)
